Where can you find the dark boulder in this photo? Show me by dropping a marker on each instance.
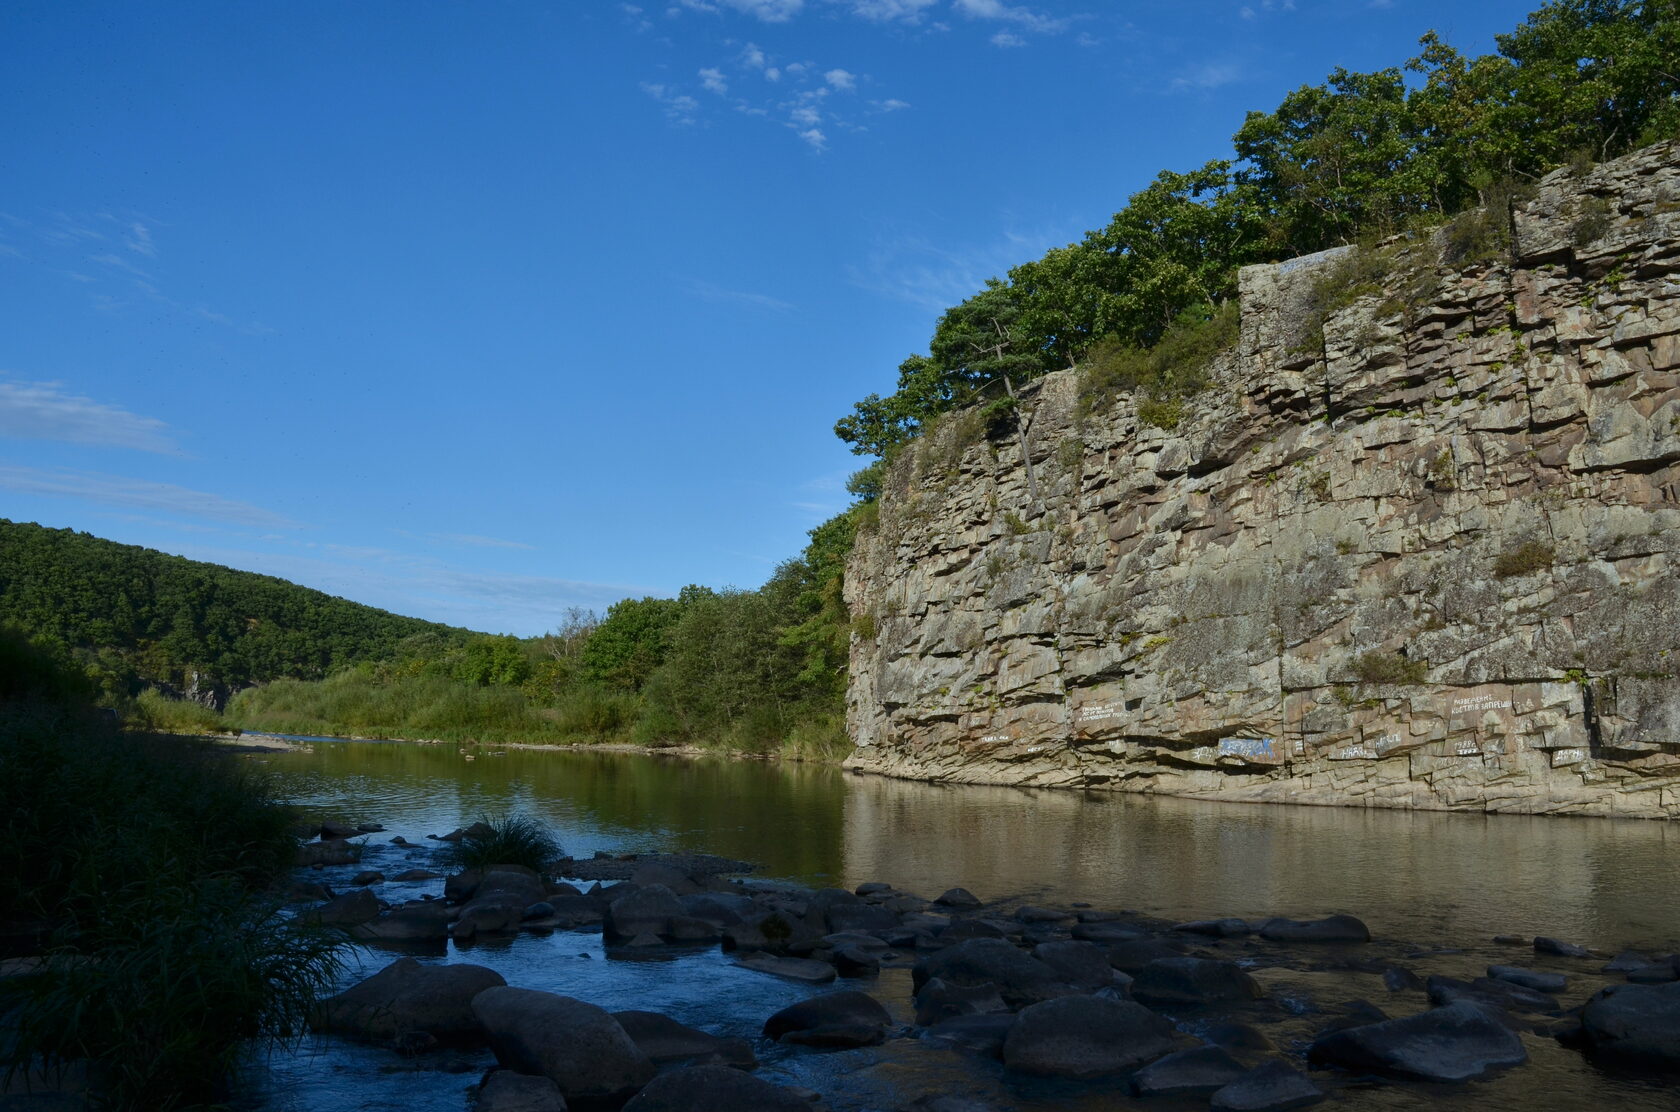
(1269, 1087)
(411, 875)
(1132, 955)
(964, 929)
(1544, 945)
(982, 1034)
(1109, 931)
(835, 1020)
(334, 852)
(939, 1000)
(1457, 1042)
(1489, 993)
(407, 996)
(1085, 1037)
(349, 910)
(861, 917)
(796, 969)
(645, 911)
(1020, 979)
(855, 961)
(1197, 1072)
(664, 1040)
(714, 1089)
(1635, 1023)
(368, 876)
(421, 921)
(1336, 928)
(666, 876)
(724, 909)
(576, 1045)
(1532, 979)
(958, 898)
(1027, 913)
(1184, 981)
(1084, 965)
(1216, 928)
(507, 1091)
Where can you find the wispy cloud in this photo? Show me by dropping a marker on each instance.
(711, 79)
(1208, 75)
(769, 11)
(1022, 17)
(45, 411)
(679, 107)
(143, 494)
(708, 291)
(889, 11)
(1008, 39)
(473, 540)
(933, 276)
(841, 79)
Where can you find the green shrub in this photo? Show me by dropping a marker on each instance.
(1525, 559)
(594, 713)
(155, 711)
(822, 738)
(1377, 666)
(1173, 369)
(1593, 223)
(510, 840)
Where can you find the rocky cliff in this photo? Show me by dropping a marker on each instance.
(1416, 548)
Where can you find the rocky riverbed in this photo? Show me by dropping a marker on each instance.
(1022, 1005)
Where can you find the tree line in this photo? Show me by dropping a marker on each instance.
(1360, 156)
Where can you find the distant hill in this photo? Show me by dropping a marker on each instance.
(138, 617)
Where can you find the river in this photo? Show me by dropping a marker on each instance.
(1422, 881)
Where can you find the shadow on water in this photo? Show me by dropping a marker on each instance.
(1418, 879)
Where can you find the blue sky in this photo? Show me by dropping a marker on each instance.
(480, 311)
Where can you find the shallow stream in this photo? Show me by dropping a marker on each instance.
(1421, 881)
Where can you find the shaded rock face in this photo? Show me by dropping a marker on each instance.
(1423, 557)
(1640, 1023)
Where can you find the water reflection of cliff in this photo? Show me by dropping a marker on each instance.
(1416, 875)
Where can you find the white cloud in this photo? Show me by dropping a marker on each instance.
(841, 79)
(767, 11)
(805, 116)
(752, 57)
(997, 10)
(711, 79)
(117, 490)
(890, 11)
(891, 105)
(679, 107)
(43, 411)
(814, 136)
(772, 74)
(1008, 39)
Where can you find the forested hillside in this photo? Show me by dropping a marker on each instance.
(135, 617)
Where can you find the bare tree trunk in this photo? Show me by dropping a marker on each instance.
(1026, 446)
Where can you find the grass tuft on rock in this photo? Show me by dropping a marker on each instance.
(510, 840)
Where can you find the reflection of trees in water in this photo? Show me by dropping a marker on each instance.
(785, 817)
(1411, 874)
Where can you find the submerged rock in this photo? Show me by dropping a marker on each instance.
(664, 1040)
(1019, 978)
(797, 969)
(507, 1091)
(1198, 1072)
(1336, 928)
(1269, 1087)
(1182, 981)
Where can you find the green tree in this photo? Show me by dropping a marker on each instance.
(631, 641)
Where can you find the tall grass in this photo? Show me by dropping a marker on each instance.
(136, 870)
(157, 712)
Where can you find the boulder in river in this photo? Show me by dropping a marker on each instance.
(1086, 1037)
(1335, 928)
(407, 996)
(334, 852)
(1185, 981)
(1458, 1042)
(1636, 1023)
(1534, 980)
(646, 910)
(664, 1040)
(939, 1000)
(1198, 1072)
(421, 921)
(834, 1020)
(578, 1046)
(796, 969)
(1084, 965)
(1020, 978)
(349, 910)
(507, 1091)
(960, 898)
(1269, 1087)
(1545, 945)
(714, 1089)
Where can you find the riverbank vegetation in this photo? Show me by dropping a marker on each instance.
(138, 876)
(1360, 157)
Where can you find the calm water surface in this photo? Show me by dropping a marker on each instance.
(1421, 881)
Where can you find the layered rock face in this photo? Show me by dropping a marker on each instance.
(1421, 557)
